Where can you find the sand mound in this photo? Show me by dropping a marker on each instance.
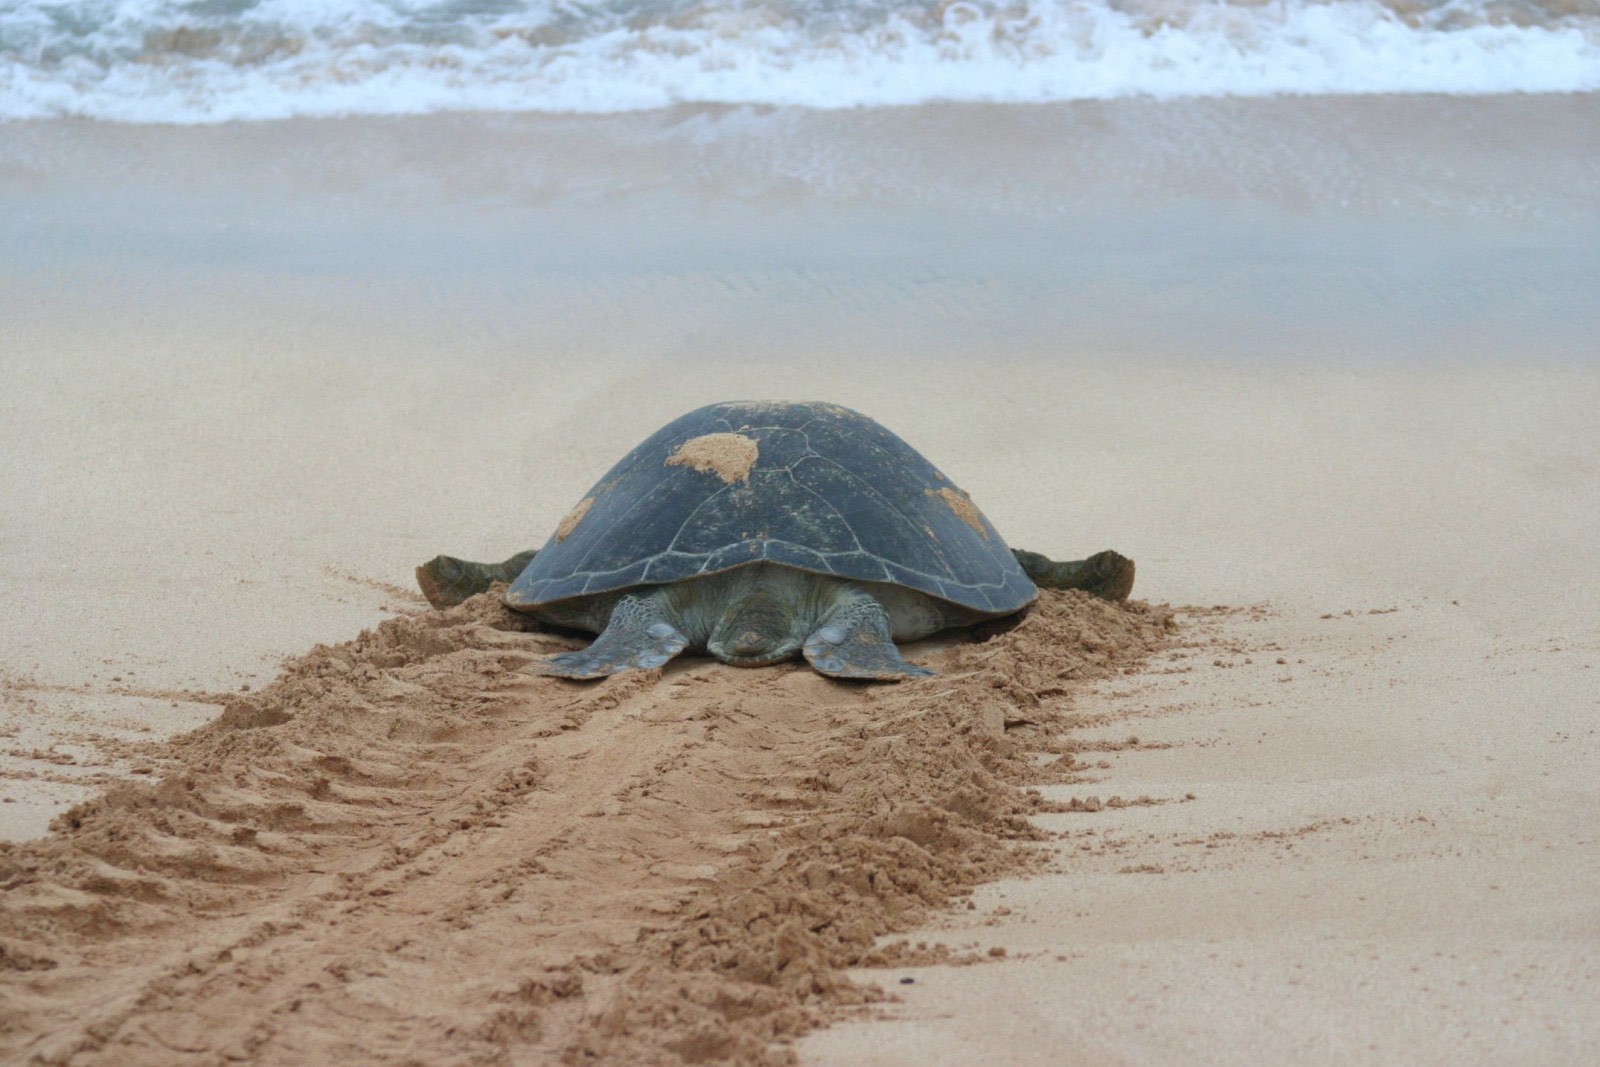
(407, 850)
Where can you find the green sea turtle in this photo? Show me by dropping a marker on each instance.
(759, 531)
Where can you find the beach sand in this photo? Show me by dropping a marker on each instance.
(1327, 369)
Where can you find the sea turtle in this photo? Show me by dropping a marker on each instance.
(756, 531)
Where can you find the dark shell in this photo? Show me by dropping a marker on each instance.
(830, 491)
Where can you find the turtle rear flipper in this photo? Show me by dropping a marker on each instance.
(447, 581)
(639, 636)
(1105, 574)
(855, 641)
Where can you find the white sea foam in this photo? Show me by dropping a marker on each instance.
(218, 60)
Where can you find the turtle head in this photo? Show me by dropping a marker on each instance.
(756, 629)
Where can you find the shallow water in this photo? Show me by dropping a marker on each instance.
(167, 61)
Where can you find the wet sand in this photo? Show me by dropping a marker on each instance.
(1330, 364)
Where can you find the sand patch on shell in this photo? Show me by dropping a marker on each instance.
(730, 456)
(962, 505)
(570, 521)
(406, 849)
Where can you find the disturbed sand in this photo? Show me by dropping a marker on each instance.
(406, 850)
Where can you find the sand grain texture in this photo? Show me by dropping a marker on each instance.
(407, 850)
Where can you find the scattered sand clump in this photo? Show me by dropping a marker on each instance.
(569, 522)
(730, 456)
(963, 507)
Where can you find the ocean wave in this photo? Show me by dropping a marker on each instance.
(221, 60)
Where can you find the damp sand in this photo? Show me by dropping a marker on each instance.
(1324, 368)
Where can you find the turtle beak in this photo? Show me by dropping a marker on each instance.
(752, 650)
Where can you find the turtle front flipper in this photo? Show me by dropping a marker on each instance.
(855, 641)
(1105, 574)
(447, 581)
(639, 635)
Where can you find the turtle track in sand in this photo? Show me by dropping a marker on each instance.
(405, 850)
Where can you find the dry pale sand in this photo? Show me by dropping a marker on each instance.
(1331, 365)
